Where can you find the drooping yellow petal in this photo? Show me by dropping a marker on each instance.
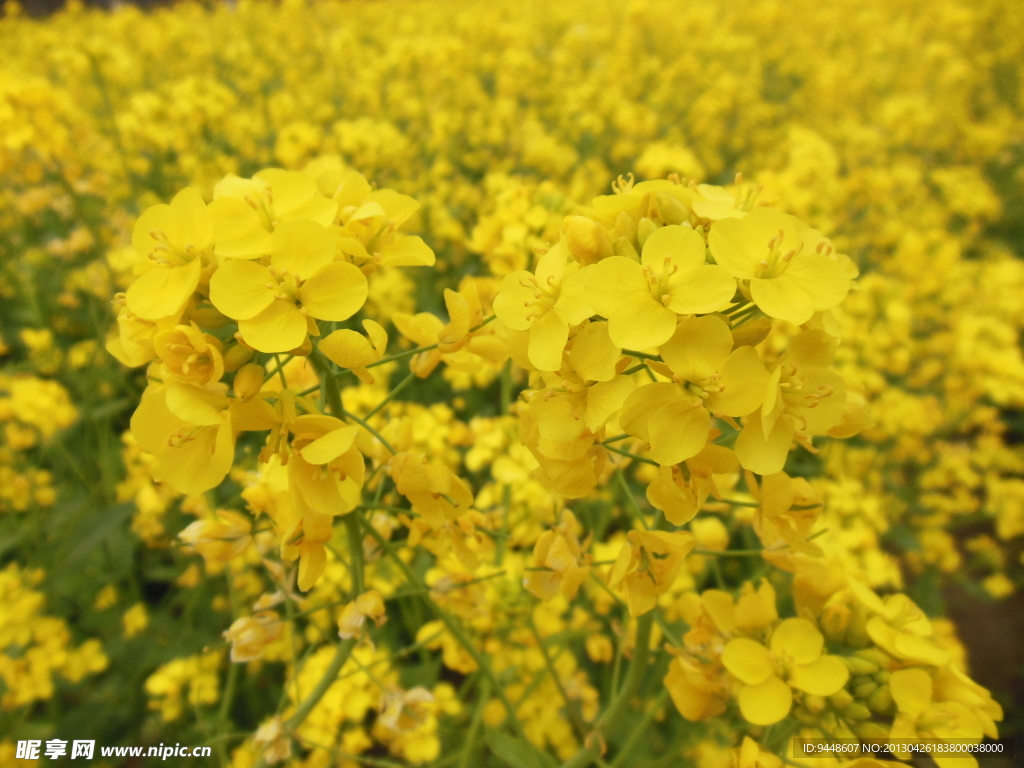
(329, 447)
(197, 405)
(593, 355)
(798, 640)
(822, 278)
(605, 399)
(748, 660)
(334, 292)
(407, 251)
(643, 403)
(278, 328)
(240, 289)
(201, 462)
(161, 291)
(740, 244)
(698, 348)
(822, 677)
(783, 298)
(762, 455)
(300, 247)
(573, 303)
(911, 690)
(767, 702)
(548, 335)
(678, 431)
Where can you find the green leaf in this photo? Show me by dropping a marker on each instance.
(518, 753)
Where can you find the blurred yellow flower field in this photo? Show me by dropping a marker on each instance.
(522, 384)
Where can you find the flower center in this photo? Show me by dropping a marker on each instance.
(544, 295)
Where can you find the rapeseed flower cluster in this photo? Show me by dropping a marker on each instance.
(397, 383)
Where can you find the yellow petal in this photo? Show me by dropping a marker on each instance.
(612, 282)
(822, 677)
(767, 702)
(300, 247)
(678, 431)
(278, 328)
(709, 288)
(237, 230)
(195, 227)
(605, 399)
(334, 292)
(396, 206)
(822, 278)
(748, 660)
(782, 297)
(911, 690)
(593, 356)
(407, 251)
(643, 403)
(239, 289)
(573, 303)
(329, 447)
(348, 349)
(512, 304)
(798, 640)
(196, 405)
(678, 504)
(761, 455)
(200, 463)
(676, 246)
(744, 382)
(912, 646)
(162, 291)
(641, 322)
(740, 244)
(698, 348)
(548, 335)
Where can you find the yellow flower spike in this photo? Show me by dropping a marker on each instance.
(246, 211)
(355, 351)
(642, 301)
(697, 690)
(274, 304)
(545, 304)
(172, 239)
(789, 279)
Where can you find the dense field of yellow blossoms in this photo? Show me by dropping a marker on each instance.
(520, 383)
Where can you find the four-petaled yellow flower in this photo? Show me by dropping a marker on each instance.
(795, 660)
(642, 301)
(791, 270)
(275, 304)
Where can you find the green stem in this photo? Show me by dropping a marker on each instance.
(390, 396)
(640, 729)
(630, 686)
(474, 725)
(641, 355)
(506, 388)
(633, 456)
(355, 549)
(570, 706)
(629, 497)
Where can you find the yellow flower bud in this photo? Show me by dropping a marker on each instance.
(236, 356)
(249, 381)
